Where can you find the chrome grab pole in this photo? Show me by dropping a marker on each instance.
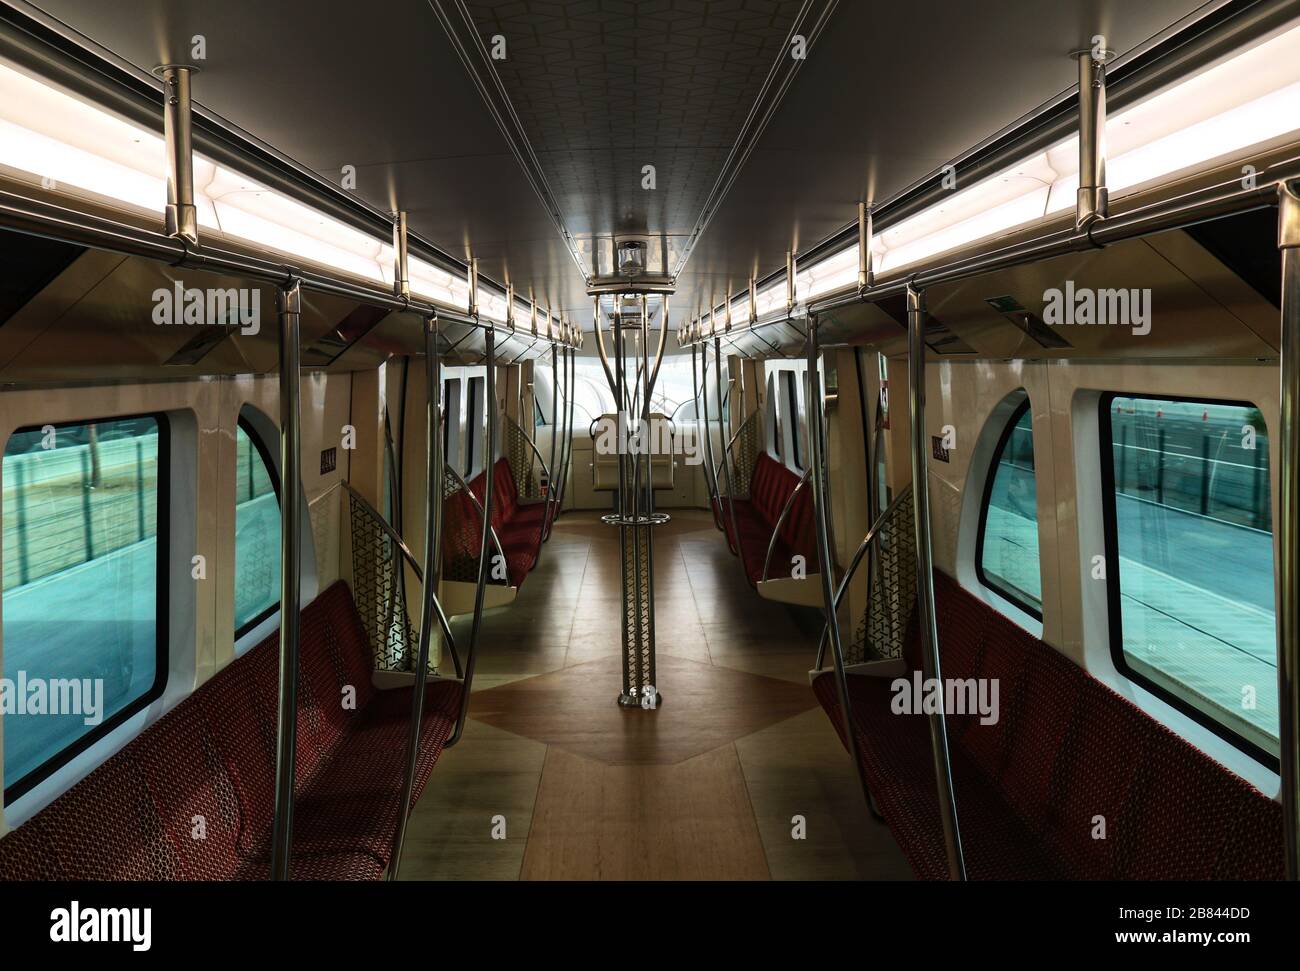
(1288, 574)
(552, 487)
(484, 561)
(566, 431)
(780, 521)
(702, 405)
(1092, 201)
(821, 517)
(286, 733)
(432, 533)
(643, 533)
(925, 581)
(726, 466)
(180, 217)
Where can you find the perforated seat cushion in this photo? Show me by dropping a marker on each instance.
(1066, 754)
(770, 488)
(192, 796)
(518, 526)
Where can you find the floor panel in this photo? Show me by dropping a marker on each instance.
(704, 788)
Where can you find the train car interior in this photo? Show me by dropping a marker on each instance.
(514, 440)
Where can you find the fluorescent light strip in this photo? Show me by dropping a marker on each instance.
(52, 138)
(1247, 100)
(49, 135)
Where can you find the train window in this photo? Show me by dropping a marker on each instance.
(85, 514)
(475, 418)
(451, 426)
(1006, 554)
(1189, 560)
(772, 432)
(791, 380)
(257, 531)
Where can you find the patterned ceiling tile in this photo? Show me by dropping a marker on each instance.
(605, 87)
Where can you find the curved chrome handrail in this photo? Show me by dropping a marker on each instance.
(861, 551)
(479, 506)
(411, 561)
(604, 355)
(780, 521)
(533, 446)
(548, 499)
(753, 415)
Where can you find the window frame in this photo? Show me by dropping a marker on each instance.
(990, 477)
(274, 473)
(790, 377)
(1114, 613)
(162, 632)
(772, 418)
(475, 418)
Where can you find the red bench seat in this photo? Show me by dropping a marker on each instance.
(1065, 753)
(192, 796)
(518, 526)
(770, 488)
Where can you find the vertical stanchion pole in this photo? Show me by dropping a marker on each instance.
(570, 397)
(432, 533)
(726, 452)
(553, 487)
(925, 582)
(702, 408)
(565, 422)
(290, 578)
(1288, 574)
(645, 532)
(821, 520)
(626, 697)
(484, 560)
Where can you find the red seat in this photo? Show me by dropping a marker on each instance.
(1065, 754)
(518, 526)
(192, 796)
(770, 487)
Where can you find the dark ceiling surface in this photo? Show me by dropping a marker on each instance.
(889, 92)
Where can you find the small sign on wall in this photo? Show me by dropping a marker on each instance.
(936, 448)
(329, 460)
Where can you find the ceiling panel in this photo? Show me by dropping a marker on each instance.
(890, 91)
(375, 85)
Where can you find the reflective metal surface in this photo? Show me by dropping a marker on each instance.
(929, 628)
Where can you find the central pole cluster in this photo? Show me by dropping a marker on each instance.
(632, 377)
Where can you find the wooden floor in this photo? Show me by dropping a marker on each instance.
(553, 781)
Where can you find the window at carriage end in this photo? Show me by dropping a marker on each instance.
(257, 531)
(1189, 560)
(85, 524)
(772, 431)
(1006, 555)
(795, 425)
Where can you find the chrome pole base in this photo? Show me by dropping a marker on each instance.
(634, 700)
